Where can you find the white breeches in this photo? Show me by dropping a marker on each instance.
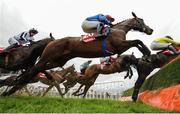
(158, 46)
(90, 26)
(12, 41)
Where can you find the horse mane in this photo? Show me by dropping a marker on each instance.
(122, 22)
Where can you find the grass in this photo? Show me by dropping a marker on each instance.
(24, 104)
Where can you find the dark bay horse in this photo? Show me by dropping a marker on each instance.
(145, 68)
(23, 57)
(121, 64)
(58, 76)
(58, 52)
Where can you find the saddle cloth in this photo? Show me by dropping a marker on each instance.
(88, 37)
(1, 49)
(41, 75)
(169, 52)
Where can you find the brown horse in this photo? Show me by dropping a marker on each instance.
(58, 52)
(116, 43)
(145, 68)
(58, 76)
(121, 64)
(23, 57)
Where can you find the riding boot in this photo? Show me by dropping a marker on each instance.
(99, 31)
(7, 50)
(173, 49)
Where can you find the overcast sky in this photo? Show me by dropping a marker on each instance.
(64, 18)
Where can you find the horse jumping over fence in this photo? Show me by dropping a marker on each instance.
(145, 68)
(59, 51)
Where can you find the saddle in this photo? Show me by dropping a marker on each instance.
(1, 49)
(9, 49)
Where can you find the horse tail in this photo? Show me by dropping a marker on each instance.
(51, 36)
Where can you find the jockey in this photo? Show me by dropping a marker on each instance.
(165, 43)
(84, 66)
(96, 24)
(107, 60)
(24, 37)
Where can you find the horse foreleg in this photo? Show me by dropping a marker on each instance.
(127, 74)
(6, 89)
(47, 90)
(59, 89)
(67, 87)
(75, 93)
(138, 84)
(27, 91)
(86, 90)
(131, 73)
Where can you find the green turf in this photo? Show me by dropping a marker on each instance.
(24, 104)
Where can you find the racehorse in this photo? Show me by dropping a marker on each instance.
(122, 63)
(58, 52)
(23, 57)
(58, 76)
(145, 68)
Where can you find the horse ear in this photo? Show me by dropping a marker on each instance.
(51, 36)
(134, 15)
(73, 65)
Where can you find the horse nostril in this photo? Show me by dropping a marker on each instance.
(151, 30)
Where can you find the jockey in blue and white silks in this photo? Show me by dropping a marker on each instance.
(96, 23)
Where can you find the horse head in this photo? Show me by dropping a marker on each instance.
(134, 24)
(70, 70)
(128, 59)
(139, 25)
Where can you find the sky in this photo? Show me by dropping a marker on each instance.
(64, 17)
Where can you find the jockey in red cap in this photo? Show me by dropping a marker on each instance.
(96, 24)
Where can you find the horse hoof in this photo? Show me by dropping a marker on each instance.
(134, 98)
